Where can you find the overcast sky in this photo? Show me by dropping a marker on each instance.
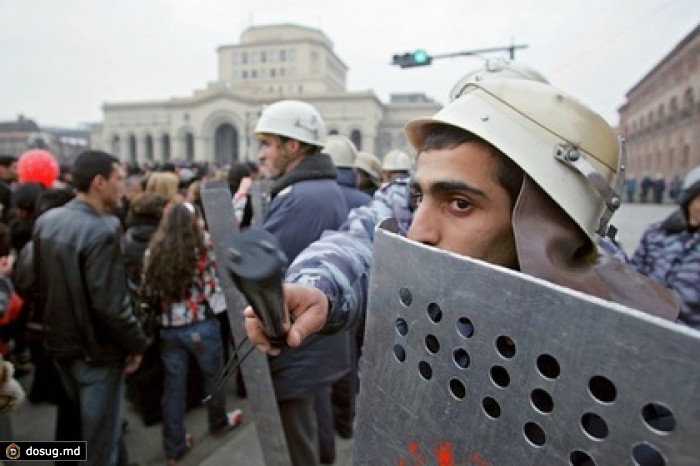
(60, 60)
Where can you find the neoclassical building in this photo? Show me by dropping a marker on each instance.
(270, 63)
(661, 116)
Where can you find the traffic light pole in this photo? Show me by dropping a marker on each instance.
(511, 49)
(419, 57)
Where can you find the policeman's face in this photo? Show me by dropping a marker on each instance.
(460, 206)
(274, 155)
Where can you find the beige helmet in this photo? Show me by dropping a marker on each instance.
(341, 149)
(569, 151)
(370, 164)
(496, 68)
(292, 119)
(396, 161)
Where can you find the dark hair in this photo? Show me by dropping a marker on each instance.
(252, 166)
(6, 160)
(88, 165)
(236, 173)
(508, 174)
(174, 252)
(146, 207)
(52, 197)
(25, 196)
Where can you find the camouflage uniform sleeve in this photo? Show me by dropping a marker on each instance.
(339, 263)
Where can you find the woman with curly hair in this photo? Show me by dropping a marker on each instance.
(180, 271)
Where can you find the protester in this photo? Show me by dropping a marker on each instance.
(180, 272)
(669, 251)
(91, 331)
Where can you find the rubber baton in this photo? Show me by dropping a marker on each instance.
(257, 266)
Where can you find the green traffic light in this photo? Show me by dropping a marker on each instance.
(420, 57)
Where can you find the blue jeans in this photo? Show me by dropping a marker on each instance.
(98, 392)
(203, 341)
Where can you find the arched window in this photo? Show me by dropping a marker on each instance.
(189, 147)
(116, 146)
(133, 160)
(149, 148)
(165, 146)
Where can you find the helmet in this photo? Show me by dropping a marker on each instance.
(692, 177)
(498, 68)
(396, 160)
(691, 186)
(341, 149)
(292, 119)
(566, 148)
(370, 164)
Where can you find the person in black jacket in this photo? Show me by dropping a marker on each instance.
(91, 331)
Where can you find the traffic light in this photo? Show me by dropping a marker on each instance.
(410, 59)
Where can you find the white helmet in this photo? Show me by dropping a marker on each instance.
(370, 164)
(396, 161)
(496, 68)
(566, 148)
(341, 149)
(292, 119)
(692, 177)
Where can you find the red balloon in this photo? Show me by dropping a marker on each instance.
(37, 166)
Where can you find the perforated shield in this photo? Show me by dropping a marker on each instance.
(468, 364)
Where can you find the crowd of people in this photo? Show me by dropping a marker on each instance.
(106, 246)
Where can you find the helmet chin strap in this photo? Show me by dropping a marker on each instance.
(551, 246)
(571, 156)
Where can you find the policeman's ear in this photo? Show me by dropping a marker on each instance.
(293, 145)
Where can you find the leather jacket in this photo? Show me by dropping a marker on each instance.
(82, 286)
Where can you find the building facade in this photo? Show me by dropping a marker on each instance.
(270, 63)
(16, 137)
(660, 119)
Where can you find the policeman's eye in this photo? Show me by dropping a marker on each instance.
(460, 204)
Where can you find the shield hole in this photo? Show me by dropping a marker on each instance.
(542, 401)
(505, 346)
(434, 312)
(659, 417)
(644, 454)
(491, 407)
(465, 328)
(461, 358)
(548, 366)
(405, 296)
(458, 389)
(594, 425)
(401, 327)
(580, 458)
(432, 344)
(500, 376)
(399, 353)
(602, 389)
(534, 434)
(425, 370)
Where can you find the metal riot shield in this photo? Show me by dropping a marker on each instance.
(465, 363)
(216, 198)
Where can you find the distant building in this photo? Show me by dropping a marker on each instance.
(270, 63)
(18, 136)
(661, 118)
